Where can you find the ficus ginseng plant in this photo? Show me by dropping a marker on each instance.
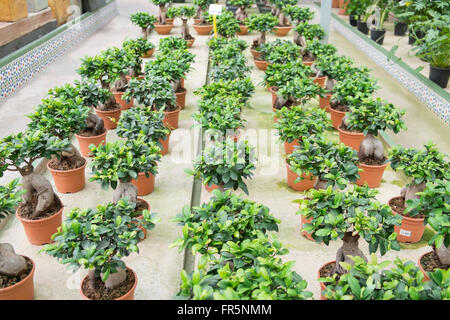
(242, 5)
(227, 24)
(297, 92)
(298, 14)
(136, 48)
(240, 88)
(145, 21)
(264, 24)
(305, 32)
(162, 10)
(202, 7)
(184, 13)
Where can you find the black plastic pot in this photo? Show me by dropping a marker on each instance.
(263, 9)
(419, 34)
(439, 76)
(400, 29)
(362, 26)
(352, 20)
(377, 36)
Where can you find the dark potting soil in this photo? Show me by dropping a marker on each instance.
(189, 37)
(307, 58)
(90, 133)
(102, 293)
(430, 261)
(141, 205)
(343, 127)
(109, 107)
(170, 108)
(65, 164)
(371, 161)
(26, 209)
(327, 271)
(398, 205)
(338, 107)
(7, 281)
(181, 90)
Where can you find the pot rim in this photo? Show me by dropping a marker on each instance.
(374, 166)
(68, 171)
(163, 25)
(21, 282)
(285, 27)
(108, 111)
(54, 216)
(350, 133)
(175, 111)
(148, 206)
(318, 272)
(132, 288)
(409, 219)
(202, 25)
(91, 137)
(438, 68)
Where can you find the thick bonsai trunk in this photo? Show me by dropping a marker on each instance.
(95, 124)
(162, 14)
(410, 192)
(329, 84)
(241, 15)
(371, 148)
(443, 254)
(126, 190)
(282, 19)
(121, 83)
(72, 157)
(297, 38)
(320, 184)
(176, 85)
(280, 102)
(185, 30)
(349, 248)
(11, 264)
(198, 14)
(116, 279)
(33, 183)
(144, 33)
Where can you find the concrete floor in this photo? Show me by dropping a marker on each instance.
(158, 267)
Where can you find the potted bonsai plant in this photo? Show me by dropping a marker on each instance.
(168, 44)
(138, 48)
(229, 69)
(185, 13)
(227, 24)
(284, 26)
(111, 233)
(145, 21)
(162, 26)
(305, 32)
(62, 118)
(225, 165)
(297, 93)
(433, 203)
(156, 93)
(201, 7)
(142, 121)
(320, 163)
(263, 23)
(315, 49)
(241, 14)
(348, 216)
(298, 14)
(359, 129)
(240, 88)
(280, 51)
(203, 22)
(125, 166)
(41, 209)
(422, 166)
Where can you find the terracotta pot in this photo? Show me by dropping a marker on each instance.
(165, 145)
(261, 65)
(308, 63)
(419, 262)
(163, 28)
(322, 285)
(411, 229)
(213, 187)
(85, 142)
(181, 98)
(351, 139)
(203, 30)
(69, 181)
(335, 4)
(144, 185)
(244, 30)
(342, 7)
(303, 185)
(110, 118)
(127, 296)
(148, 54)
(324, 103)
(282, 31)
(336, 117)
(320, 81)
(289, 146)
(255, 53)
(124, 105)
(274, 95)
(23, 290)
(190, 42)
(169, 20)
(142, 216)
(39, 232)
(304, 233)
(171, 118)
(371, 174)
(197, 21)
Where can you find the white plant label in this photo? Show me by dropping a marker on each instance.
(215, 9)
(405, 233)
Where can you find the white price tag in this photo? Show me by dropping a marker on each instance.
(215, 9)
(405, 233)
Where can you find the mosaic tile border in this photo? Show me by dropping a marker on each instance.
(438, 104)
(24, 68)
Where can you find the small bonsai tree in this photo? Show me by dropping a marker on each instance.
(279, 51)
(370, 117)
(117, 163)
(202, 6)
(239, 88)
(184, 13)
(205, 233)
(298, 92)
(225, 164)
(143, 122)
(171, 43)
(10, 197)
(241, 14)
(372, 281)
(153, 92)
(263, 23)
(230, 69)
(220, 43)
(145, 21)
(18, 153)
(298, 14)
(422, 166)
(279, 6)
(136, 49)
(277, 74)
(334, 67)
(334, 165)
(315, 49)
(349, 216)
(434, 204)
(227, 24)
(162, 10)
(98, 240)
(305, 32)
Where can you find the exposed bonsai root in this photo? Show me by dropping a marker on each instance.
(443, 254)
(410, 192)
(329, 84)
(36, 183)
(144, 33)
(372, 148)
(11, 264)
(95, 124)
(185, 31)
(126, 190)
(349, 248)
(121, 84)
(241, 15)
(320, 184)
(116, 279)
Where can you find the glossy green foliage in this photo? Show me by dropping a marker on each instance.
(334, 66)
(311, 31)
(262, 22)
(227, 24)
(154, 92)
(278, 74)
(298, 14)
(239, 88)
(143, 20)
(10, 197)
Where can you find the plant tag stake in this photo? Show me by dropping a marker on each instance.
(215, 9)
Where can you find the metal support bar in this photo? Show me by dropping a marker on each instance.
(325, 18)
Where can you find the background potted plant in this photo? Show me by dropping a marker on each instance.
(112, 233)
(185, 13)
(227, 24)
(315, 49)
(241, 14)
(298, 92)
(284, 25)
(422, 166)
(162, 26)
(204, 25)
(138, 48)
(401, 24)
(142, 121)
(263, 23)
(281, 51)
(355, 9)
(377, 31)
(41, 209)
(361, 23)
(145, 21)
(369, 117)
(298, 14)
(242, 88)
(125, 166)
(201, 7)
(224, 165)
(305, 32)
